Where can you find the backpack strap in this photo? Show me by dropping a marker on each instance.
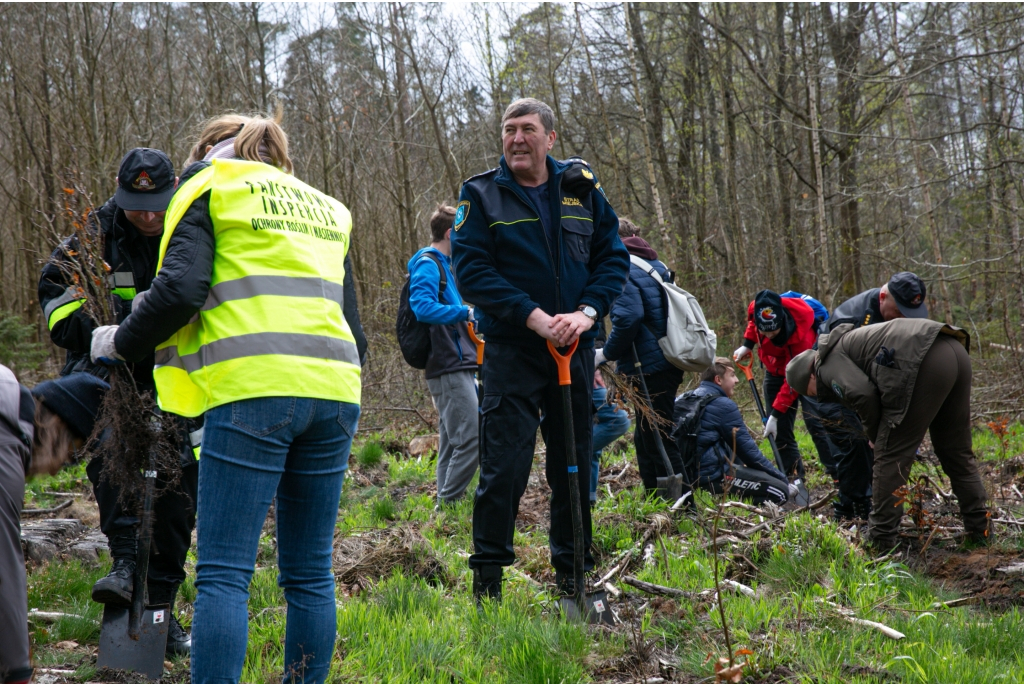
(443, 281)
(647, 267)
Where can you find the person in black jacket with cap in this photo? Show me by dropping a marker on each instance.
(903, 296)
(39, 429)
(129, 227)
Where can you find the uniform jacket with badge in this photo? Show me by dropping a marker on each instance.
(873, 369)
(131, 257)
(775, 356)
(507, 268)
(860, 310)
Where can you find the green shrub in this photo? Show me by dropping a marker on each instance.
(370, 454)
(17, 350)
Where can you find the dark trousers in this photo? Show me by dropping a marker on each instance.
(521, 384)
(785, 440)
(751, 484)
(812, 419)
(941, 405)
(174, 517)
(853, 455)
(662, 386)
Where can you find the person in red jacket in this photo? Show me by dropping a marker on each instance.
(782, 327)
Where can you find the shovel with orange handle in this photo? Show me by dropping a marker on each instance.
(592, 607)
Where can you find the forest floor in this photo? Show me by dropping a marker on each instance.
(406, 614)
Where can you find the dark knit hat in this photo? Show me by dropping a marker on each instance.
(75, 399)
(769, 314)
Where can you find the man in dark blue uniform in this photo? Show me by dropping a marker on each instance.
(536, 249)
(903, 296)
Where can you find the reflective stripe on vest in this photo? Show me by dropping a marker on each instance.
(272, 324)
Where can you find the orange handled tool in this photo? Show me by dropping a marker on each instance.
(478, 342)
(564, 377)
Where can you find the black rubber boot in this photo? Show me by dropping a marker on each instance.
(862, 508)
(116, 587)
(487, 583)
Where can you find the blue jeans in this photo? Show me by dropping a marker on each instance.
(609, 424)
(295, 449)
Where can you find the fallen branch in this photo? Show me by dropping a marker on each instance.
(52, 510)
(880, 627)
(49, 616)
(1007, 348)
(739, 587)
(653, 589)
(955, 602)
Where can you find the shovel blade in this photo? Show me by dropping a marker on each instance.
(144, 653)
(595, 605)
(670, 488)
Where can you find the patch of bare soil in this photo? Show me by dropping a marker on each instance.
(366, 557)
(976, 574)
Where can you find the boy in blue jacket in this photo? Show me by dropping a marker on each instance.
(452, 360)
(750, 475)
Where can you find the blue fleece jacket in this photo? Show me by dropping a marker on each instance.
(507, 266)
(424, 279)
(714, 440)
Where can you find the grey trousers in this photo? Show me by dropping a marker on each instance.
(459, 427)
(14, 657)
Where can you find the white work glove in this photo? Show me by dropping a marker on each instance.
(793, 490)
(771, 427)
(741, 352)
(470, 314)
(102, 350)
(599, 357)
(137, 300)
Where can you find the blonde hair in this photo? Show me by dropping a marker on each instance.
(258, 138)
(52, 442)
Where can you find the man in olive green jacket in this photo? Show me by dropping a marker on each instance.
(902, 377)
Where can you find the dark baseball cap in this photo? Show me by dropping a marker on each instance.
(909, 293)
(145, 181)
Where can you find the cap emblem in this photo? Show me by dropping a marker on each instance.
(766, 314)
(916, 302)
(143, 182)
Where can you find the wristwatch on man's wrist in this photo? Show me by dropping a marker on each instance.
(588, 311)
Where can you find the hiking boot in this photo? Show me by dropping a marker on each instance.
(116, 587)
(487, 583)
(862, 508)
(565, 584)
(179, 642)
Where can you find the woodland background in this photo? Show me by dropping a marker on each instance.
(819, 147)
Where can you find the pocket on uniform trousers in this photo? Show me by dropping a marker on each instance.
(348, 418)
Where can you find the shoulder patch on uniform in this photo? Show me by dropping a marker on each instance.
(837, 389)
(461, 214)
(482, 174)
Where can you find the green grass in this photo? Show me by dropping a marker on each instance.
(370, 454)
(404, 629)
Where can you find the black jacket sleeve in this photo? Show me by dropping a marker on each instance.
(351, 310)
(73, 332)
(179, 289)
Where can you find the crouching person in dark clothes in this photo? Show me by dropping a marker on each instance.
(39, 430)
(902, 377)
(747, 473)
(536, 248)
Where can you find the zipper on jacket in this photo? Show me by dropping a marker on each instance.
(518, 192)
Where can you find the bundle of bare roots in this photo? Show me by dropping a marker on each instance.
(129, 430)
(628, 389)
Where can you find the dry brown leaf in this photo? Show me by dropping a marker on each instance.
(724, 673)
(66, 644)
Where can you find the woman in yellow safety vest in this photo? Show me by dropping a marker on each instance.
(246, 317)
